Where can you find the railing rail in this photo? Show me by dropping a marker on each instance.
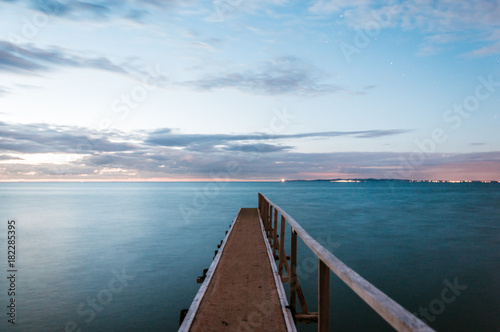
(397, 316)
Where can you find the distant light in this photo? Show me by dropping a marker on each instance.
(346, 181)
(282, 180)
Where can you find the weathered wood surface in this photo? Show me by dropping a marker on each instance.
(241, 293)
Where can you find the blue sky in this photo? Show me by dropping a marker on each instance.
(249, 90)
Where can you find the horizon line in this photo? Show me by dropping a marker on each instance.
(155, 180)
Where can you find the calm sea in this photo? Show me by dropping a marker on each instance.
(125, 256)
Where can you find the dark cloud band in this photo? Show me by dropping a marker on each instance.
(165, 153)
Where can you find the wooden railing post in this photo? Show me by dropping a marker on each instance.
(323, 297)
(282, 254)
(260, 204)
(275, 232)
(266, 213)
(293, 269)
(269, 221)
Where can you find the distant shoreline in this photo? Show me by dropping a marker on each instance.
(392, 180)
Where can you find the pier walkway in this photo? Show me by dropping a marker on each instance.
(243, 288)
(242, 294)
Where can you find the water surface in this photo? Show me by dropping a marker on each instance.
(136, 249)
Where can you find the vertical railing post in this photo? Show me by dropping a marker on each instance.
(282, 246)
(266, 211)
(293, 269)
(275, 232)
(260, 204)
(269, 221)
(323, 297)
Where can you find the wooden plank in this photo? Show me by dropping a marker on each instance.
(309, 318)
(397, 316)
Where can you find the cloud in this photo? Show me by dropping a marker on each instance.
(443, 22)
(7, 157)
(163, 153)
(166, 137)
(203, 46)
(260, 148)
(282, 75)
(175, 164)
(138, 10)
(227, 9)
(99, 11)
(42, 138)
(450, 22)
(335, 6)
(486, 50)
(433, 16)
(28, 59)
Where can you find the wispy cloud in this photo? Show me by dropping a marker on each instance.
(29, 59)
(101, 10)
(447, 16)
(444, 22)
(7, 157)
(260, 147)
(228, 9)
(42, 138)
(335, 6)
(138, 10)
(491, 49)
(166, 137)
(282, 75)
(449, 22)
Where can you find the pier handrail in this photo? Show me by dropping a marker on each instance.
(397, 316)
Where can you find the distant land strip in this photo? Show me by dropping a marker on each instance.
(392, 180)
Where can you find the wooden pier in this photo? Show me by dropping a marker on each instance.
(243, 288)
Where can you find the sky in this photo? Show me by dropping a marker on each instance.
(151, 90)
